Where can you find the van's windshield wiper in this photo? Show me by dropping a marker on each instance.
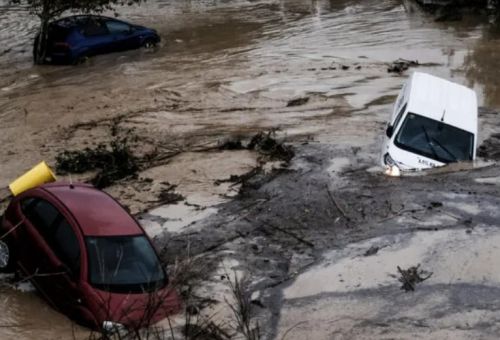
(445, 149)
(429, 141)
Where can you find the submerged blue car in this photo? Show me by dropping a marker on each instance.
(73, 39)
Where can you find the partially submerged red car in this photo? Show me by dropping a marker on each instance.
(87, 256)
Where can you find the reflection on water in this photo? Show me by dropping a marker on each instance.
(26, 316)
(480, 64)
(228, 66)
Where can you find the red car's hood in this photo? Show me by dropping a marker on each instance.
(136, 310)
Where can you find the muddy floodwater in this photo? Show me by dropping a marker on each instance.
(230, 68)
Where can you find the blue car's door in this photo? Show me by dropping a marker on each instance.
(123, 35)
(98, 39)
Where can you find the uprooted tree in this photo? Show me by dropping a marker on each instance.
(48, 10)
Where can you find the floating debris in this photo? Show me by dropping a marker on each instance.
(435, 205)
(371, 251)
(240, 179)
(401, 65)
(169, 196)
(411, 276)
(298, 101)
(231, 144)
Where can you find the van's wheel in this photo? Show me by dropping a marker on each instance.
(6, 257)
(149, 44)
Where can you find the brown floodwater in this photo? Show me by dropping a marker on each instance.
(225, 68)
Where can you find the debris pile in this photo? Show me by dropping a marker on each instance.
(411, 276)
(111, 162)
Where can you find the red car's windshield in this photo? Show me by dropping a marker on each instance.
(124, 264)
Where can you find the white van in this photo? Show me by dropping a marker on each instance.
(434, 122)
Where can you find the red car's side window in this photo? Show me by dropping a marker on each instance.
(67, 247)
(55, 230)
(43, 215)
(27, 205)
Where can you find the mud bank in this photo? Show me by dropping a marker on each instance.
(301, 237)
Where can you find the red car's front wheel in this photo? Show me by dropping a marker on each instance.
(6, 257)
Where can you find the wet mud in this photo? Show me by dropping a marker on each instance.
(279, 231)
(316, 73)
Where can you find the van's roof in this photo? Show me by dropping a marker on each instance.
(431, 96)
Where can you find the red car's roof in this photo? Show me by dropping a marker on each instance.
(95, 211)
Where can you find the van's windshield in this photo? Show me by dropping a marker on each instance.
(435, 139)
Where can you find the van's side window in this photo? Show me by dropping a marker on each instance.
(398, 117)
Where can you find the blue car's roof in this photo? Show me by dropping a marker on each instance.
(78, 20)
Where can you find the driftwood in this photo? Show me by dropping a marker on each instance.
(337, 205)
(289, 233)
